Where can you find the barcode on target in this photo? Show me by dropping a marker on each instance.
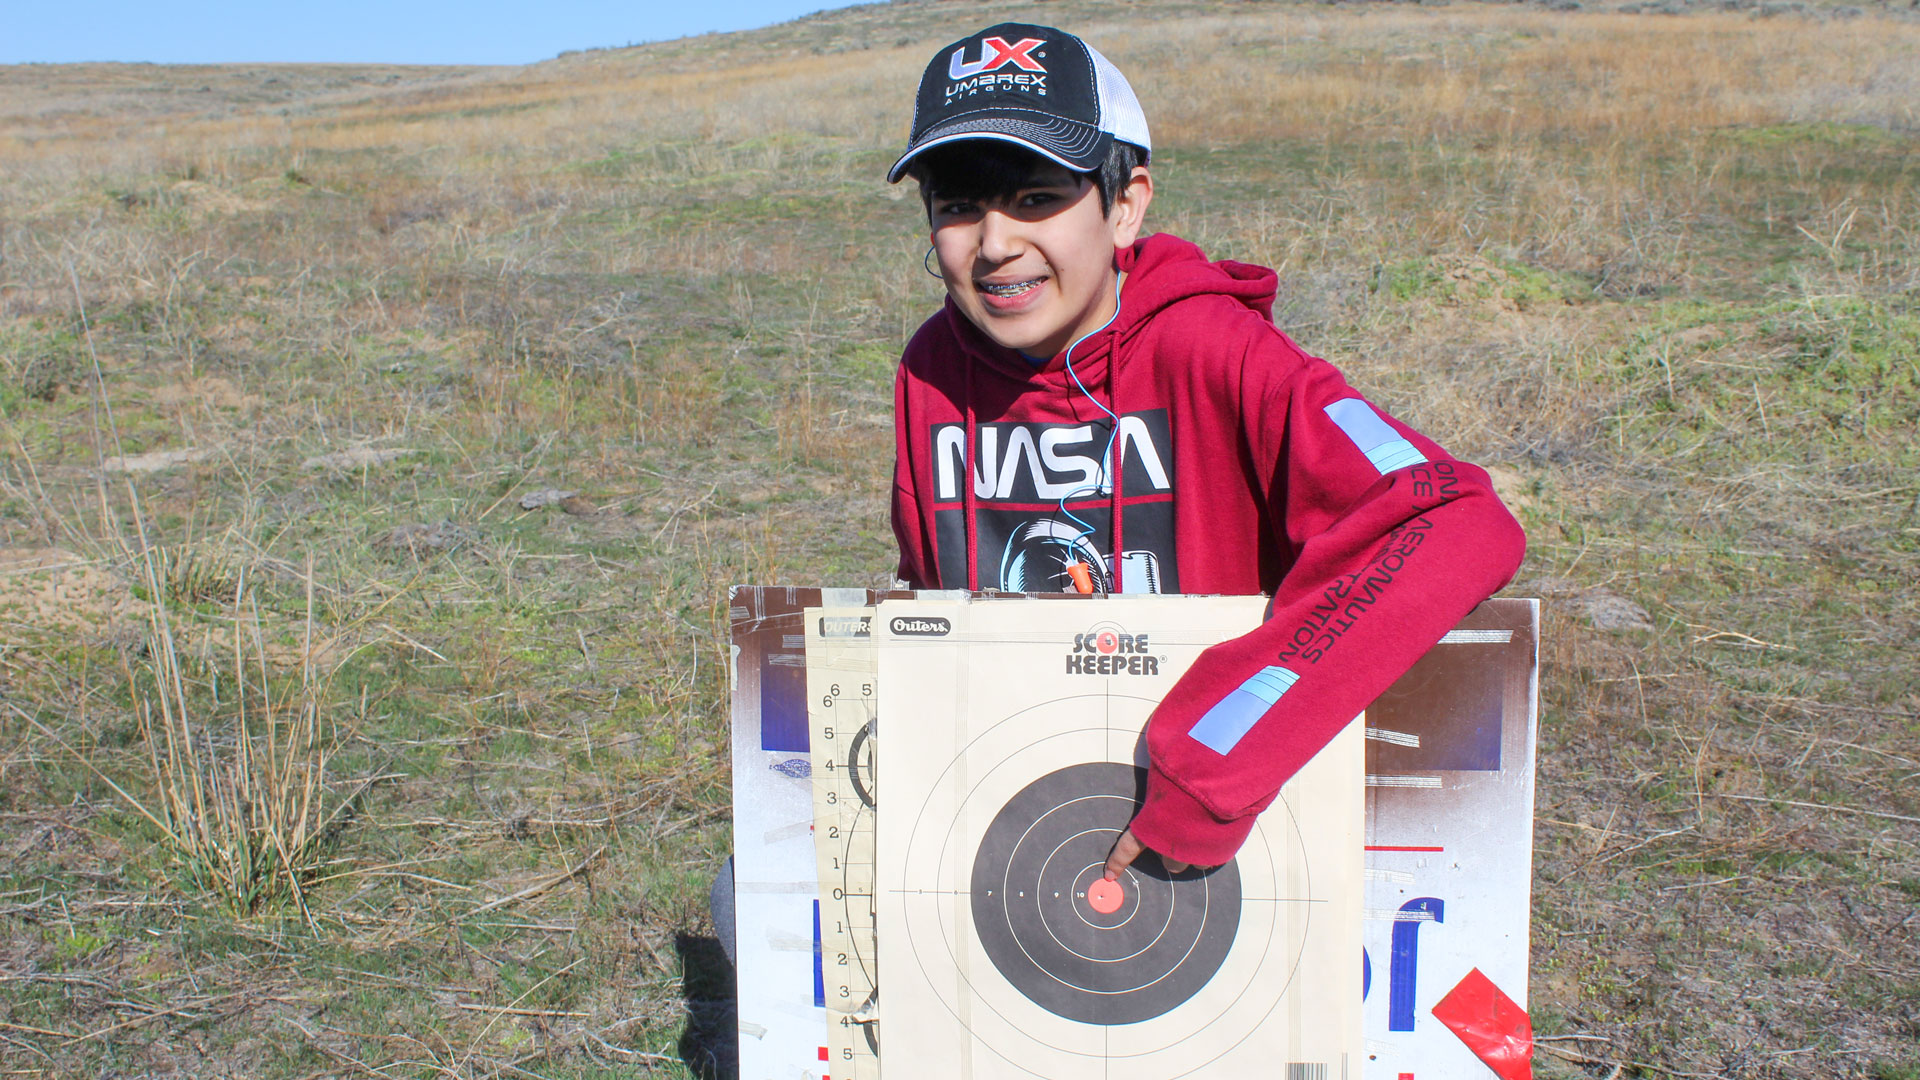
(1306, 1070)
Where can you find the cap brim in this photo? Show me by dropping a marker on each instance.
(1070, 143)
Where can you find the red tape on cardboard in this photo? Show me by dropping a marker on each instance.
(1493, 1027)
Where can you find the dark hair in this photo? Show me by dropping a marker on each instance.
(987, 169)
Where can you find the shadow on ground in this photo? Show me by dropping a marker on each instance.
(709, 1045)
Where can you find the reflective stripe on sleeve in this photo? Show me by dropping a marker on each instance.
(1373, 436)
(1221, 729)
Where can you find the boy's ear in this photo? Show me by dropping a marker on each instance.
(1129, 209)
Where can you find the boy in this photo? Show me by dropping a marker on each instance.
(1092, 411)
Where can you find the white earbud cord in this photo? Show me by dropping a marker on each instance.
(1104, 484)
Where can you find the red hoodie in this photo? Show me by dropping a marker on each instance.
(1243, 465)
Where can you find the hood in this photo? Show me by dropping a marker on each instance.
(1161, 270)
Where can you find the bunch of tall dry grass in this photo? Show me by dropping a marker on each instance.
(237, 763)
(244, 808)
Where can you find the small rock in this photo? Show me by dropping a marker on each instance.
(534, 500)
(1515, 490)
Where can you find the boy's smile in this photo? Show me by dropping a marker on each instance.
(1034, 269)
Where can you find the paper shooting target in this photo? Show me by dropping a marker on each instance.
(1013, 926)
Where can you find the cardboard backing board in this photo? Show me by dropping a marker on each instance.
(1449, 848)
(781, 995)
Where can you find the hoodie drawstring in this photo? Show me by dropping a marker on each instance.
(968, 472)
(1114, 477)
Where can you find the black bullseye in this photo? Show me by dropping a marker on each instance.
(1071, 945)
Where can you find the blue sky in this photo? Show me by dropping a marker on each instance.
(361, 31)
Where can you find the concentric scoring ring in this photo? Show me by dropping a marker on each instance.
(1036, 860)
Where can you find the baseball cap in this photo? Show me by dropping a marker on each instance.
(1036, 86)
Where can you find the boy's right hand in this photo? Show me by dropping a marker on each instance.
(1127, 849)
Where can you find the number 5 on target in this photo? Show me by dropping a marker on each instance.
(841, 667)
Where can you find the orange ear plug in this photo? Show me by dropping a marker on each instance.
(1082, 576)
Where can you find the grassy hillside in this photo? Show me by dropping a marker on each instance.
(297, 363)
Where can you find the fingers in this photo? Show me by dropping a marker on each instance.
(1125, 850)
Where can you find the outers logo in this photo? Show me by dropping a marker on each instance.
(920, 627)
(1018, 54)
(846, 626)
(1107, 650)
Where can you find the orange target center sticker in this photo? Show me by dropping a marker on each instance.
(1105, 896)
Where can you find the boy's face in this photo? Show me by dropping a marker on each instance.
(1034, 269)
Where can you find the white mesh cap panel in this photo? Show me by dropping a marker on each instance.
(1120, 112)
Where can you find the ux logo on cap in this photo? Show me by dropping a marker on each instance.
(1018, 54)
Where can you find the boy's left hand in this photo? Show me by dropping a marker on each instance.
(1126, 849)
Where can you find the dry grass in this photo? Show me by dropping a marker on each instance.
(242, 798)
(1660, 271)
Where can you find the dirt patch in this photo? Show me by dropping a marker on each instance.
(1601, 608)
(1611, 611)
(599, 526)
(207, 198)
(54, 595)
(1514, 489)
(59, 593)
(1475, 282)
(358, 458)
(157, 460)
(212, 391)
(1701, 336)
(422, 537)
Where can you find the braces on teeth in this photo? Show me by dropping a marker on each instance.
(1010, 290)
